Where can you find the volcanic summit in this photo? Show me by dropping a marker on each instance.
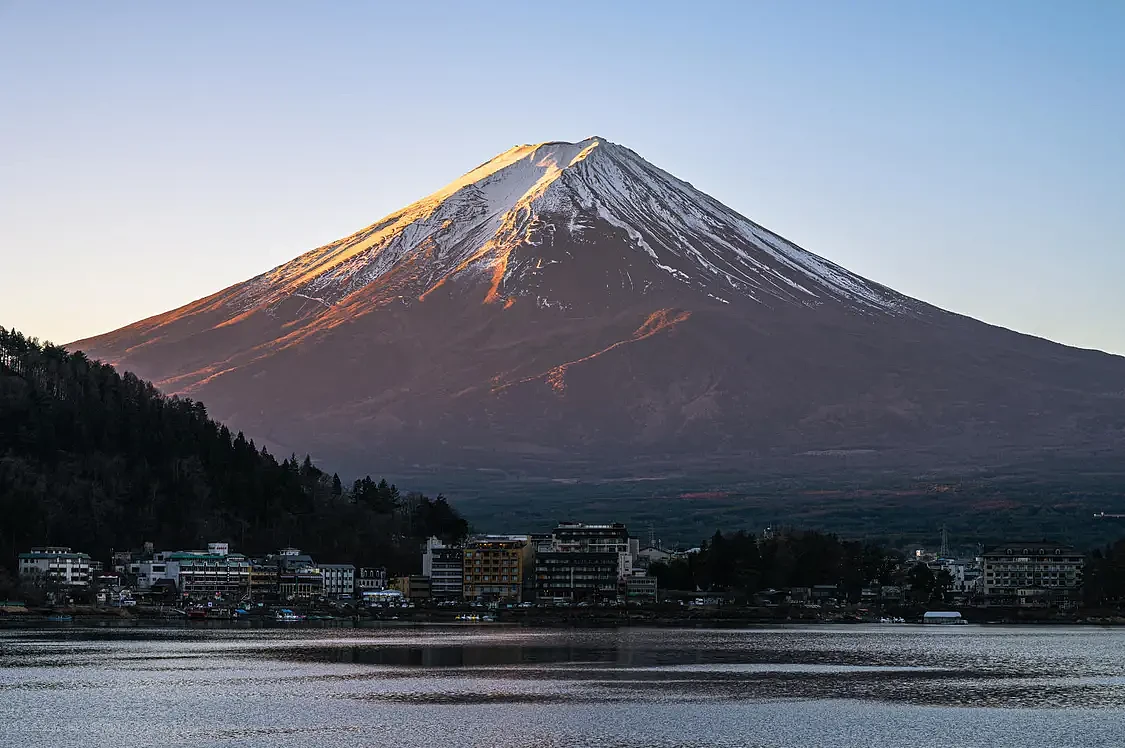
(569, 307)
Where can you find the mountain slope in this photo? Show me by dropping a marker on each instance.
(569, 309)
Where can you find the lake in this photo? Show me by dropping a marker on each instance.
(877, 685)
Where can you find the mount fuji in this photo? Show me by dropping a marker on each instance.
(569, 309)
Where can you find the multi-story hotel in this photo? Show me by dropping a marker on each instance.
(575, 575)
(1031, 574)
(494, 567)
(578, 537)
(212, 573)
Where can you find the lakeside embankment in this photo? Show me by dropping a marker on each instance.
(549, 616)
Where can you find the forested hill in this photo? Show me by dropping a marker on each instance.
(98, 460)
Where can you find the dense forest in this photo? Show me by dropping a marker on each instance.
(98, 460)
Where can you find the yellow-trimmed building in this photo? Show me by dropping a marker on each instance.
(494, 567)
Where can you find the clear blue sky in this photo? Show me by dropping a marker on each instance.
(971, 154)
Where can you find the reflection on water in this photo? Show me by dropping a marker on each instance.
(494, 686)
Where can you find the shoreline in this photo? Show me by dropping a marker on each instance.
(592, 618)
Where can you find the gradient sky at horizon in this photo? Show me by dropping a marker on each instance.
(968, 154)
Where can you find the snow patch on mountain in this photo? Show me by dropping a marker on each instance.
(526, 194)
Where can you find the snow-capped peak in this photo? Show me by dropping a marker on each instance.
(471, 227)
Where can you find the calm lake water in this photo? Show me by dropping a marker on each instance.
(493, 686)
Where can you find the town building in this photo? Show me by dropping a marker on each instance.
(494, 567)
(575, 576)
(146, 572)
(382, 597)
(541, 541)
(299, 577)
(300, 583)
(640, 587)
(56, 566)
(578, 561)
(825, 594)
(339, 580)
(1031, 574)
(966, 579)
(444, 566)
(265, 579)
(578, 537)
(414, 587)
(652, 555)
(135, 567)
(141, 569)
(371, 579)
(965, 575)
(215, 572)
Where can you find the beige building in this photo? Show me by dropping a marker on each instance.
(494, 567)
(412, 587)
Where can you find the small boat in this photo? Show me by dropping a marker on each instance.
(197, 614)
(60, 618)
(287, 616)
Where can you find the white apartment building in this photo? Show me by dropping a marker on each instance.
(56, 565)
(339, 579)
(444, 565)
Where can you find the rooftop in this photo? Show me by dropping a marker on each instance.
(1030, 547)
(54, 553)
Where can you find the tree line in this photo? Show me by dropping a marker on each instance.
(743, 564)
(101, 461)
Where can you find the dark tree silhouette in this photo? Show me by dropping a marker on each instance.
(742, 564)
(99, 460)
